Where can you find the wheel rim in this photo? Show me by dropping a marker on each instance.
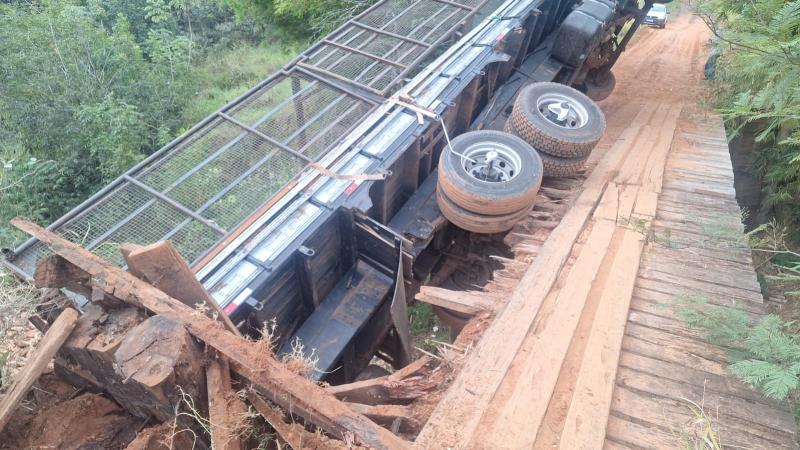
(562, 110)
(491, 162)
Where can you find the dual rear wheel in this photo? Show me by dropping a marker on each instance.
(561, 123)
(488, 180)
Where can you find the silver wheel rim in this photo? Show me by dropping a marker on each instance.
(562, 110)
(491, 162)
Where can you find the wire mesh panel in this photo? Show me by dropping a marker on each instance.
(380, 47)
(202, 186)
(221, 172)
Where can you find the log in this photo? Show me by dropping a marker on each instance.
(248, 359)
(47, 348)
(163, 267)
(159, 362)
(87, 358)
(226, 412)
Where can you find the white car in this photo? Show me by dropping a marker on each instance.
(657, 15)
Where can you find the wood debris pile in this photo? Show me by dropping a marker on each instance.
(156, 364)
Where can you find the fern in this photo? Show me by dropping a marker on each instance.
(765, 354)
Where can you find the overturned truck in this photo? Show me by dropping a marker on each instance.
(313, 202)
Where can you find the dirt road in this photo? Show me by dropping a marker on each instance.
(659, 66)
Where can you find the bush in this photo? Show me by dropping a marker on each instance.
(758, 81)
(764, 353)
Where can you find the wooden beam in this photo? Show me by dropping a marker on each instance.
(47, 348)
(585, 425)
(267, 375)
(226, 413)
(163, 267)
(589, 410)
(465, 302)
(456, 418)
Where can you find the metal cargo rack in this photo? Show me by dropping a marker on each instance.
(202, 186)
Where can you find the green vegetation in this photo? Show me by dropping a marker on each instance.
(758, 83)
(756, 88)
(764, 353)
(426, 329)
(88, 88)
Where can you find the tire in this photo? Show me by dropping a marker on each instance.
(583, 127)
(600, 86)
(478, 223)
(562, 167)
(554, 166)
(521, 174)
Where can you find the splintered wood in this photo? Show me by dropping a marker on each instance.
(585, 355)
(455, 422)
(267, 375)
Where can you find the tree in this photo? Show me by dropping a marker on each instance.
(89, 100)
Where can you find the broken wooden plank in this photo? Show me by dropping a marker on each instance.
(47, 348)
(465, 302)
(388, 415)
(226, 412)
(383, 389)
(163, 267)
(55, 271)
(250, 360)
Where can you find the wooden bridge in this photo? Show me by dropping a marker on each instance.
(593, 349)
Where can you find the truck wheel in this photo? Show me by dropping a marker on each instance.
(475, 222)
(490, 172)
(600, 86)
(555, 166)
(558, 120)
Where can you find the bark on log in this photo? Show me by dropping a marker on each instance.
(263, 371)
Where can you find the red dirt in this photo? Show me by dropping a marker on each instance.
(86, 421)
